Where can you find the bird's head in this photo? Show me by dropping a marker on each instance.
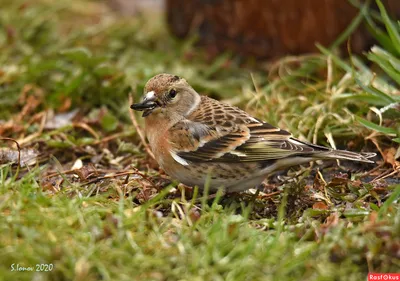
(167, 96)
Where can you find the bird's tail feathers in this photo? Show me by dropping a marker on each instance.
(348, 155)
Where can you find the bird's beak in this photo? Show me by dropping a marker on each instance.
(148, 104)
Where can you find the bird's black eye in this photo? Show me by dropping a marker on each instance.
(172, 93)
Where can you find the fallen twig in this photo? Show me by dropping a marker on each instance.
(112, 137)
(99, 178)
(118, 175)
(87, 128)
(269, 195)
(386, 174)
(37, 134)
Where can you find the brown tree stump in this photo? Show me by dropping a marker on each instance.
(267, 28)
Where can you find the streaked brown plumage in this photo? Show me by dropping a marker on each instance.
(194, 137)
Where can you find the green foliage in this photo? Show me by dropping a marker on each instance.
(91, 238)
(326, 106)
(390, 65)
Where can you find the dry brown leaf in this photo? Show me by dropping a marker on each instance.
(194, 215)
(10, 127)
(56, 121)
(320, 206)
(30, 98)
(389, 157)
(338, 182)
(28, 156)
(66, 104)
(330, 222)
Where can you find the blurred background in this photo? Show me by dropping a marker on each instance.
(277, 59)
(264, 29)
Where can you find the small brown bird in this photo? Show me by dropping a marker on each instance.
(194, 137)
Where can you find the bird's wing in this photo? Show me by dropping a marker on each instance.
(221, 133)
